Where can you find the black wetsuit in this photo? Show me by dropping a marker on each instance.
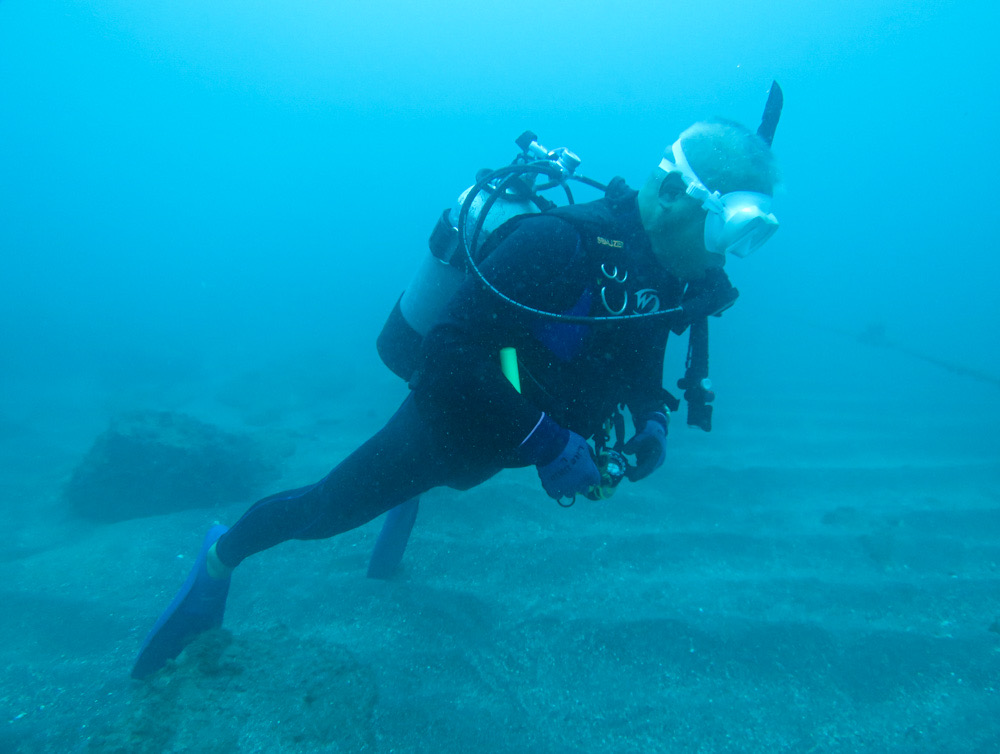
(463, 421)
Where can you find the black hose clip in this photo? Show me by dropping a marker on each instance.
(699, 396)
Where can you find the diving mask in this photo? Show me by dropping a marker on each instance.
(738, 222)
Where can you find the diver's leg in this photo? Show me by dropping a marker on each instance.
(395, 465)
(392, 539)
(395, 533)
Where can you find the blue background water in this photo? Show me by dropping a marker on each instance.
(185, 182)
(191, 190)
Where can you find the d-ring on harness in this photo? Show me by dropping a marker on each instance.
(613, 276)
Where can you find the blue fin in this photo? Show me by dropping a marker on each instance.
(197, 607)
(391, 543)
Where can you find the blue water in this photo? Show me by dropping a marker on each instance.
(192, 190)
(204, 166)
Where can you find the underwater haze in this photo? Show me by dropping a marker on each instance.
(209, 209)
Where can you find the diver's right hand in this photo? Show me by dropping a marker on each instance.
(563, 459)
(572, 472)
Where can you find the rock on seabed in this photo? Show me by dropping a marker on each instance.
(153, 462)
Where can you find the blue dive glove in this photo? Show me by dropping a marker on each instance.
(565, 465)
(649, 445)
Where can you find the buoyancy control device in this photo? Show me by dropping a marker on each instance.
(524, 187)
(532, 183)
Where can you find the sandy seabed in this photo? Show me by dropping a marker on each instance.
(787, 583)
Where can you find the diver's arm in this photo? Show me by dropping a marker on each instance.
(644, 393)
(460, 383)
(647, 402)
(460, 379)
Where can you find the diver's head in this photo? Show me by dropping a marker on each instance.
(710, 194)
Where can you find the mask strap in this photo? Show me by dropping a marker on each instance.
(710, 200)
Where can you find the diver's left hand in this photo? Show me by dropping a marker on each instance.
(649, 445)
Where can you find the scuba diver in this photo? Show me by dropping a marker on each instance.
(547, 321)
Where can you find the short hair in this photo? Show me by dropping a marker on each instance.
(729, 157)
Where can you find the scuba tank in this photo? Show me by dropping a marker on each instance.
(456, 243)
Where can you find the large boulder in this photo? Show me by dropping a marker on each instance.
(154, 462)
